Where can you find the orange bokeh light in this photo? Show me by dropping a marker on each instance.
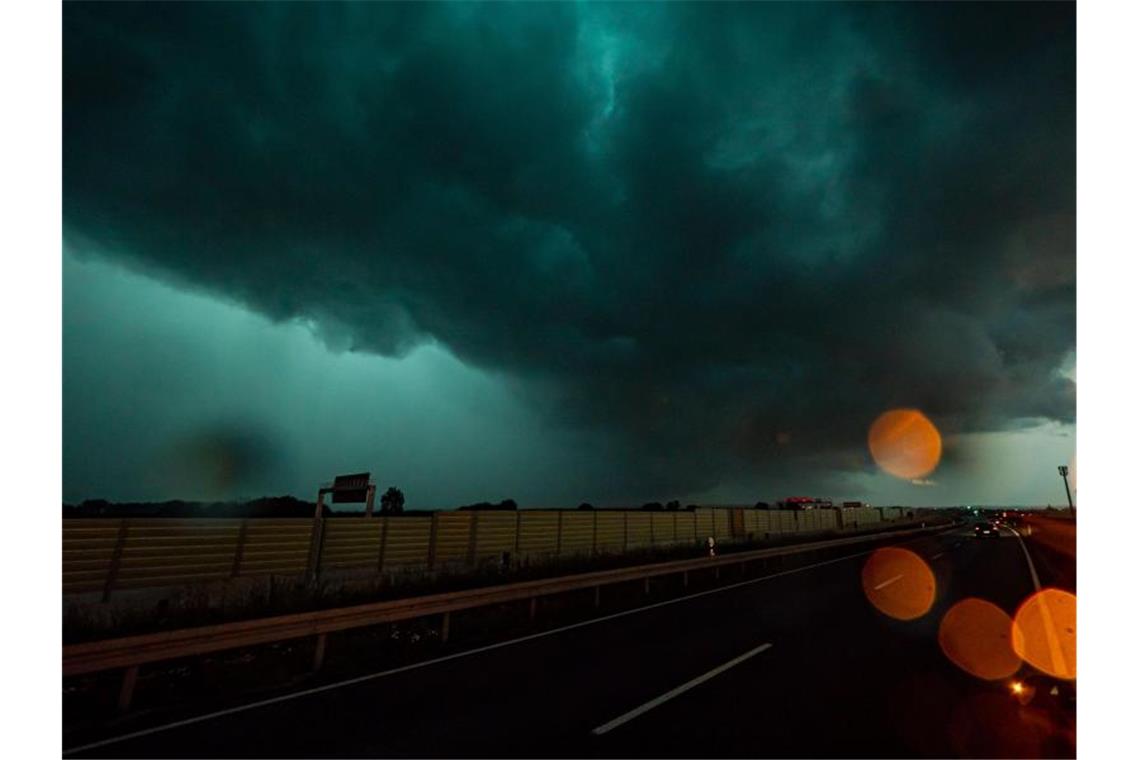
(1044, 632)
(899, 583)
(975, 635)
(905, 443)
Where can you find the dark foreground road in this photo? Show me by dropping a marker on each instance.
(795, 665)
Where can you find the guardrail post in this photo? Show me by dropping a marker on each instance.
(127, 688)
(316, 540)
(116, 560)
(315, 549)
(597, 596)
(685, 579)
(445, 628)
(533, 608)
(647, 586)
(319, 652)
(239, 550)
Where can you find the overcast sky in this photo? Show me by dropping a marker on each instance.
(567, 252)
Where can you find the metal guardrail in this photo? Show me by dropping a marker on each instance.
(132, 651)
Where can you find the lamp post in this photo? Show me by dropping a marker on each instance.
(1065, 477)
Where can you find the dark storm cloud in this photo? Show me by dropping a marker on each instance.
(729, 235)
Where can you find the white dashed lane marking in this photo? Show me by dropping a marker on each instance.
(888, 582)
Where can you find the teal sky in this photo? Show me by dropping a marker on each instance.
(614, 252)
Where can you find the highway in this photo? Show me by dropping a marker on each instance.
(795, 664)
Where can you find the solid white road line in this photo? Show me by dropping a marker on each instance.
(1055, 654)
(888, 582)
(625, 718)
(466, 653)
(939, 554)
(1028, 559)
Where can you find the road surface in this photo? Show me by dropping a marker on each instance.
(798, 664)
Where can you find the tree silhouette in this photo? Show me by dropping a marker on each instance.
(392, 502)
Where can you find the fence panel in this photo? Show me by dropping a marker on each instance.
(277, 546)
(807, 521)
(495, 534)
(640, 530)
(407, 541)
(351, 542)
(687, 528)
(611, 531)
(763, 522)
(783, 520)
(160, 552)
(577, 533)
(827, 519)
(452, 538)
(704, 518)
(664, 528)
(538, 533)
(88, 547)
(722, 524)
(751, 522)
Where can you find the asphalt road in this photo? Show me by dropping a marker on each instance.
(799, 664)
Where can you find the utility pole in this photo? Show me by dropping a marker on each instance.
(1065, 477)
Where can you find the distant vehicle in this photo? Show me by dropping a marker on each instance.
(986, 530)
(855, 504)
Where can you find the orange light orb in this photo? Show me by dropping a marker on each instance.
(905, 443)
(899, 583)
(1045, 632)
(975, 636)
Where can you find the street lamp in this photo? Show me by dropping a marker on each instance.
(1065, 477)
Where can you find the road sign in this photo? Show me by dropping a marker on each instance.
(349, 489)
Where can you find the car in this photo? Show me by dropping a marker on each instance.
(986, 530)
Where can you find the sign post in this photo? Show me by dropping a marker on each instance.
(346, 489)
(1065, 477)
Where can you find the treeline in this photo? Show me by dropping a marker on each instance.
(391, 502)
(266, 506)
(671, 506)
